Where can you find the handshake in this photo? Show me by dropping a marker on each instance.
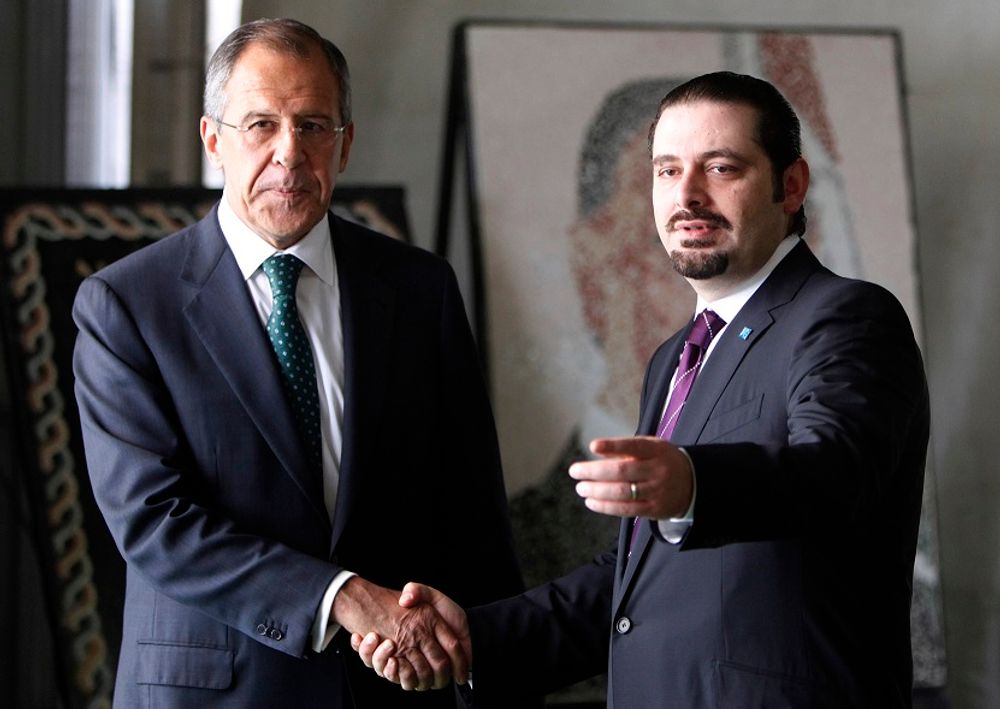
(419, 640)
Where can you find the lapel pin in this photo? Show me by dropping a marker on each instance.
(745, 333)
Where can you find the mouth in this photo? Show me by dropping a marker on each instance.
(288, 192)
(697, 226)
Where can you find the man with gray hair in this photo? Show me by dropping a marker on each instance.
(284, 417)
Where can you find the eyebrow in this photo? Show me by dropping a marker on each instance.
(252, 115)
(707, 155)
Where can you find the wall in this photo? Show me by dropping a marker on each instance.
(399, 55)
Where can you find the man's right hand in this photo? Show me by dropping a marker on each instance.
(428, 648)
(383, 654)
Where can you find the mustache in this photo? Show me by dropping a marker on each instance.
(698, 214)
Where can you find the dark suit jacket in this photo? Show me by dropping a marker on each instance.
(194, 463)
(808, 430)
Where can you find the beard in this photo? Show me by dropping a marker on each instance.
(699, 266)
(700, 263)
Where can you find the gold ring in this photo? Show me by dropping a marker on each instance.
(635, 491)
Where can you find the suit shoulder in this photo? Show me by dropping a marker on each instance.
(826, 286)
(151, 262)
(385, 251)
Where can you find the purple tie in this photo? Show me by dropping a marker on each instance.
(706, 326)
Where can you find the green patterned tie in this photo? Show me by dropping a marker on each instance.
(291, 345)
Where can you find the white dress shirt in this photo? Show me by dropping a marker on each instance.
(318, 299)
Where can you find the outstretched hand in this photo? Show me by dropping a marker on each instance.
(641, 476)
(426, 653)
(383, 654)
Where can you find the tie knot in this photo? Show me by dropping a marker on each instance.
(282, 272)
(707, 325)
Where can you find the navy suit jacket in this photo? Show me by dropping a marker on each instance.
(808, 430)
(195, 465)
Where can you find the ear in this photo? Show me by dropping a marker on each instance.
(345, 146)
(209, 130)
(796, 184)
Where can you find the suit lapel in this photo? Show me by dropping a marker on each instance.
(747, 328)
(367, 305)
(222, 314)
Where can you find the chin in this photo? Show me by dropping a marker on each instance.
(699, 266)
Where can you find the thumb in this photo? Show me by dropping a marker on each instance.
(414, 594)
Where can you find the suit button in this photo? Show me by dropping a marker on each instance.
(261, 629)
(623, 625)
(275, 634)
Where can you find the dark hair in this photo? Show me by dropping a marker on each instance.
(282, 35)
(778, 129)
(622, 114)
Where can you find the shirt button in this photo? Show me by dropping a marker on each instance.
(275, 634)
(623, 625)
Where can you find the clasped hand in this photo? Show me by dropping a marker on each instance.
(431, 645)
(634, 477)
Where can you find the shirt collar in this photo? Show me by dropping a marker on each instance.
(729, 306)
(315, 249)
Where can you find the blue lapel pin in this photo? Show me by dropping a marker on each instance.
(745, 333)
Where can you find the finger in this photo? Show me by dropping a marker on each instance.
(391, 671)
(424, 674)
(452, 645)
(616, 509)
(439, 664)
(632, 493)
(633, 446)
(369, 645)
(377, 655)
(356, 639)
(407, 675)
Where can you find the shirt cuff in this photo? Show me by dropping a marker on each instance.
(323, 630)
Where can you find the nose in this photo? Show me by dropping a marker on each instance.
(690, 190)
(287, 148)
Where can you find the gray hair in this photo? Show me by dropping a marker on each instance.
(281, 35)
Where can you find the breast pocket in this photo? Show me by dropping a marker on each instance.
(732, 418)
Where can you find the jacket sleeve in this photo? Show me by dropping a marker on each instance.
(842, 434)
(546, 638)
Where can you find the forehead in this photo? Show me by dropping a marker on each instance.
(268, 76)
(704, 126)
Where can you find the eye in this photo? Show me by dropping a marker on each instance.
(667, 172)
(263, 125)
(313, 128)
(722, 169)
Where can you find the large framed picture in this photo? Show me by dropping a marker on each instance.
(572, 289)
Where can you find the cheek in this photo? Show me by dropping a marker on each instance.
(251, 174)
(662, 209)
